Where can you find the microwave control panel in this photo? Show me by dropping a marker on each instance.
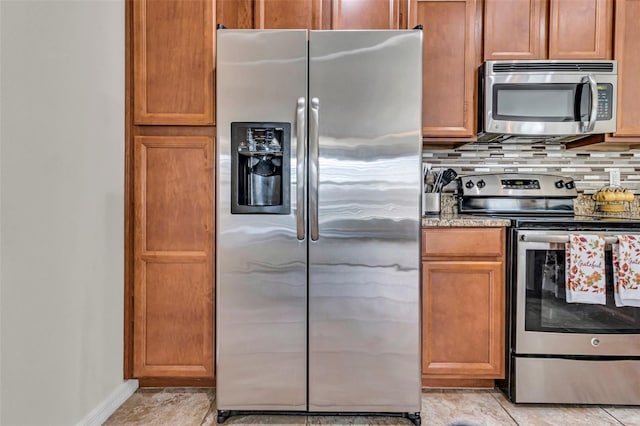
(605, 100)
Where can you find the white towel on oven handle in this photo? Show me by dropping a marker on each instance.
(585, 270)
(626, 270)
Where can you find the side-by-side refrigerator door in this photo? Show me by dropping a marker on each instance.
(364, 217)
(261, 245)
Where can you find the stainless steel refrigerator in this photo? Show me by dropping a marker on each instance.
(318, 221)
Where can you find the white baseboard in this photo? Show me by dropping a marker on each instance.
(101, 413)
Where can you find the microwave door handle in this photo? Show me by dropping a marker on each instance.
(586, 127)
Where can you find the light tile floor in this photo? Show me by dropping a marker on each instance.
(197, 407)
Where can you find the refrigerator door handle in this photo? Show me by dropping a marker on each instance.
(313, 168)
(300, 166)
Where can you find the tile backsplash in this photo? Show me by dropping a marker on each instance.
(589, 169)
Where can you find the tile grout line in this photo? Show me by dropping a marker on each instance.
(504, 409)
(210, 410)
(611, 415)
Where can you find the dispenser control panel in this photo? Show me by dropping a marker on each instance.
(260, 172)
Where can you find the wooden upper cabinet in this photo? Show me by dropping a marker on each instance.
(449, 66)
(236, 14)
(366, 14)
(173, 42)
(515, 29)
(580, 29)
(287, 14)
(627, 46)
(313, 14)
(548, 29)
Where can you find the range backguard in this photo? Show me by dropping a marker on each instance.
(260, 172)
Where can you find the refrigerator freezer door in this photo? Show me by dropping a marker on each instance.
(364, 318)
(261, 286)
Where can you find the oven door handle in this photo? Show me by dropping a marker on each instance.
(559, 238)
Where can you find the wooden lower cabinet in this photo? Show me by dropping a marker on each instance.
(463, 306)
(173, 257)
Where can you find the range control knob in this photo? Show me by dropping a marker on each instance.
(570, 185)
(481, 184)
(469, 184)
(559, 184)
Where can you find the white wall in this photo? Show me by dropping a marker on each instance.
(0, 215)
(61, 199)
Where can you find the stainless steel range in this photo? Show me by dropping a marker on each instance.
(558, 352)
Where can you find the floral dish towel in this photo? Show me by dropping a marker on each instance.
(626, 270)
(585, 270)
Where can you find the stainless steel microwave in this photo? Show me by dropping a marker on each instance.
(554, 98)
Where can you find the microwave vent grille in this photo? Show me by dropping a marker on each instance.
(553, 66)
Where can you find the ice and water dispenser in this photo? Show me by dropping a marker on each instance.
(260, 169)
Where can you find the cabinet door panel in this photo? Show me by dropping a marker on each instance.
(174, 318)
(173, 256)
(463, 242)
(288, 14)
(365, 14)
(580, 29)
(463, 319)
(176, 212)
(237, 14)
(173, 62)
(449, 66)
(515, 29)
(627, 46)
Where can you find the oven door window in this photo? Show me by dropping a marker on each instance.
(546, 309)
(548, 102)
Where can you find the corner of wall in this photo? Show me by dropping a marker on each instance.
(1, 210)
(106, 408)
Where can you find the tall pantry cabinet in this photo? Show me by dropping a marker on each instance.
(169, 305)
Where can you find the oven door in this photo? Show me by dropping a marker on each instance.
(547, 324)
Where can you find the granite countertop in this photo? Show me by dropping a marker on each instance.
(449, 217)
(460, 220)
(583, 205)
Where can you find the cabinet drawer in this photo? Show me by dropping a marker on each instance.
(467, 242)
